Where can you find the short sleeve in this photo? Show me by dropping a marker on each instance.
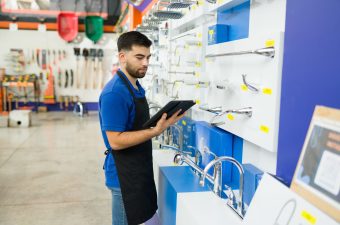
(114, 109)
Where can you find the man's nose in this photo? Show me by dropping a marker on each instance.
(145, 62)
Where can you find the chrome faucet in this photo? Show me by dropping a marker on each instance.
(215, 180)
(239, 209)
(216, 110)
(180, 134)
(247, 111)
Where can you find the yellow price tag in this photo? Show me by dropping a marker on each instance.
(197, 86)
(270, 43)
(199, 44)
(197, 74)
(244, 87)
(211, 32)
(219, 1)
(309, 217)
(198, 64)
(267, 91)
(184, 122)
(199, 35)
(200, 2)
(194, 7)
(264, 129)
(230, 116)
(198, 102)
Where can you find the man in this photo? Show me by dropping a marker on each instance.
(123, 111)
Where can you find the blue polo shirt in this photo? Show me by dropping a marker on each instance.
(116, 113)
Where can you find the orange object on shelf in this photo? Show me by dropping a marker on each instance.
(49, 97)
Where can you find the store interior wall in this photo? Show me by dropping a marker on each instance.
(310, 74)
(30, 40)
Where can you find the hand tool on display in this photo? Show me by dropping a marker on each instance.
(92, 71)
(100, 55)
(43, 59)
(59, 55)
(49, 95)
(38, 58)
(71, 82)
(54, 57)
(85, 67)
(59, 77)
(66, 79)
(77, 78)
(64, 54)
(48, 60)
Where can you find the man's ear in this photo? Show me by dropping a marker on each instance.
(122, 56)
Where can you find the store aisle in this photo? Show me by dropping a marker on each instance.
(51, 173)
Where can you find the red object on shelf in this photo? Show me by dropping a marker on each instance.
(67, 25)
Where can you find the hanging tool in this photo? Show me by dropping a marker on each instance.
(85, 66)
(100, 55)
(92, 71)
(49, 97)
(66, 79)
(59, 77)
(38, 58)
(77, 78)
(43, 63)
(71, 83)
(54, 57)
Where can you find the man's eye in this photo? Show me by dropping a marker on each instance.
(140, 58)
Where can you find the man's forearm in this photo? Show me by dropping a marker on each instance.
(123, 140)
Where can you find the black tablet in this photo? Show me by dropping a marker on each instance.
(170, 108)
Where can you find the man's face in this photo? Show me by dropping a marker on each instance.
(136, 61)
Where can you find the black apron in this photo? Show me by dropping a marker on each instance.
(135, 170)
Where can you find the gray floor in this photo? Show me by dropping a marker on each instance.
(51, 173)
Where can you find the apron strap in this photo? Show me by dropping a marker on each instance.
(126, 82)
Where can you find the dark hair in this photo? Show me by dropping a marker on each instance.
(128, 39)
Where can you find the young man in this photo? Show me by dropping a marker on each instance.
(123, 111)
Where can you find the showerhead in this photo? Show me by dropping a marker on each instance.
(168, 14)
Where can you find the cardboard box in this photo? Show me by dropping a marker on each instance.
(20, 118)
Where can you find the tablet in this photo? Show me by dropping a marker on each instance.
(170, 108)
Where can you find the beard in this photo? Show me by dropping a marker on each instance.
(136, 73)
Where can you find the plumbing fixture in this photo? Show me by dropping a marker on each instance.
(268, 52)
(247, 111)
(239, 209)
(249, 86)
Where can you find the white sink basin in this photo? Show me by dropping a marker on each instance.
(161, 157)
(202, 208)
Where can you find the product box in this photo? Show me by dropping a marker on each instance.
(218, 33)
(20, 118)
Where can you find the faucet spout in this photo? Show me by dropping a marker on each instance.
(240, 204)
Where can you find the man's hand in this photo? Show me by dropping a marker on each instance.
(164, 123)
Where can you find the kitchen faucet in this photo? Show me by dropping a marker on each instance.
(239, 209)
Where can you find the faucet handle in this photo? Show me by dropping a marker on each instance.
(231, 201)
